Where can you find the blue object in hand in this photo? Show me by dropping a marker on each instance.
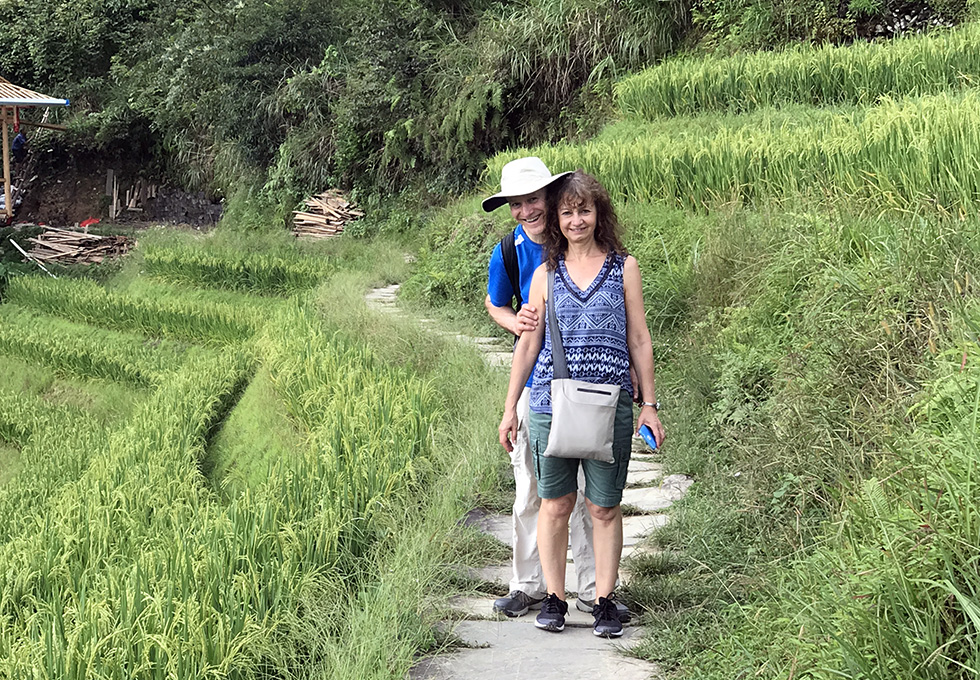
(648, 437)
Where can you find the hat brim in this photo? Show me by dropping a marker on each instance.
(493, 202)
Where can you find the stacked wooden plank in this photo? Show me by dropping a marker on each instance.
(130, 199)
(326, 215)
(76, 247)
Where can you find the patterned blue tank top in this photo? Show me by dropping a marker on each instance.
(593, 330)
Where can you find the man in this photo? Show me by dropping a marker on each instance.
(18, 147)
(523, 185)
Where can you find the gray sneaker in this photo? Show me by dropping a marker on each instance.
(625, 615)
(517, 603)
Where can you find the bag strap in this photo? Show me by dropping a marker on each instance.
(508, 250)
(560, 369)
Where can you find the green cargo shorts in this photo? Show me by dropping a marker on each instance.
(604, 482)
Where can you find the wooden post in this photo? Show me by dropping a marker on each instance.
(8, 203)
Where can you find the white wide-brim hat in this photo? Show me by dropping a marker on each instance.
(520, 177)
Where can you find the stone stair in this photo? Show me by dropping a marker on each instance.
(494, 647)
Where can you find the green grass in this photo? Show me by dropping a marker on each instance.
(105, 401)
(9, 462)
(255, 436)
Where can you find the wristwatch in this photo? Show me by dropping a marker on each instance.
(654, 404)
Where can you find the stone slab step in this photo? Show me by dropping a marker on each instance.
(499, 575)
(645, 465)
(478, 608)
(573, 653)
(651, 499)
(644, 477)
(635, 527)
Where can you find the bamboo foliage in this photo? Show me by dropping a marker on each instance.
(861, 73)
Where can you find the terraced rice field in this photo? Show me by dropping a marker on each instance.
(151, 532)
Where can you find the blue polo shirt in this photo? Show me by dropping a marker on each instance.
(529, 256)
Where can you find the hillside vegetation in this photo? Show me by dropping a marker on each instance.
(207, 459)
(809, 262)
(295, 96)
(216, 461)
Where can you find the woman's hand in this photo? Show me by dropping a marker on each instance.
(508, 429)
(649, 417)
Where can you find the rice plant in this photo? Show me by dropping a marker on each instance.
(861, 73)
(56, 444)
(271, 274)
(205, 321)
(139, 551)
(84, 351)
(900, 154)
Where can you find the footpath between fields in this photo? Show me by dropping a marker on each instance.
(496, 647)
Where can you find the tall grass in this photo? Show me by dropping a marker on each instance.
(205, 321)
(827, 535)
(529, 69)
(84, 351)
(861, 73)
(271, 274)
(900, 155)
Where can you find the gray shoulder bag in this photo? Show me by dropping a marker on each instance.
(583, 413)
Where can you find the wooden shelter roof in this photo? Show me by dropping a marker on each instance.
(15, 95)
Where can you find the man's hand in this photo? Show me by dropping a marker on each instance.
(526, 319)
(508, 430)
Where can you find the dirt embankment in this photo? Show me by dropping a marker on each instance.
(68, 196)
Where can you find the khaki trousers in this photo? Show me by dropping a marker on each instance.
(527, 575)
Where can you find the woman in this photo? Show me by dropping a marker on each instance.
(599, 304)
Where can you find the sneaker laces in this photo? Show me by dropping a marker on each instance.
(605, 608)
(552, 605)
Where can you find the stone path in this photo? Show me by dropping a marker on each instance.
(513, 649)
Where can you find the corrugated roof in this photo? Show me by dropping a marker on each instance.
(15, 95)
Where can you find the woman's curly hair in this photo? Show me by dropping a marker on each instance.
(575, 190)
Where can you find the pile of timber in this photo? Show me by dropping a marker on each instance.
(76, 247)
(326, 215)
(131, 199)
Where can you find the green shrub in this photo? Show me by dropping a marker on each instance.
(454, 255)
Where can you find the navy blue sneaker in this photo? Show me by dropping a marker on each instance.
(607, 623)
(552, 616)
(625, 615)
